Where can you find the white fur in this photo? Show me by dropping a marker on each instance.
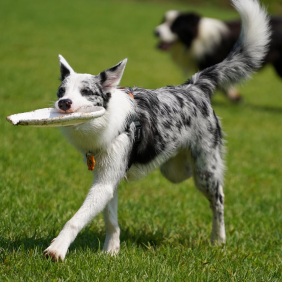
(164, 29)
(74, 80)
(166, 34)
(100, 132)
(171, 15)
(209, 35)
(63, 61)
(102, 194)
(100, 137)
(257, 30)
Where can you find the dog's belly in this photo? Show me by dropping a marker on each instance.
(177, 169)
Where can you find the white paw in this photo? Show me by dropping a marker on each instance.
(111, 251)
(112, 246)
(57, 250)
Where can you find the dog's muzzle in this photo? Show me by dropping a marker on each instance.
(65, 104)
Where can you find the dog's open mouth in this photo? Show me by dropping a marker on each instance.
(164, 45)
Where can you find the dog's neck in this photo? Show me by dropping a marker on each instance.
(97, 134)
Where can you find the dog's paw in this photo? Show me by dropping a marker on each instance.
(113, 251)
(112, 246)
(57, 250)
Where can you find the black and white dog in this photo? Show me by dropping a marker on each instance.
(196, 42)
(180, 132)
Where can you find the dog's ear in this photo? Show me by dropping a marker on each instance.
(65, 68)
(110, 78)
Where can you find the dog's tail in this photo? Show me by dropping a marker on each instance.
(246, 56)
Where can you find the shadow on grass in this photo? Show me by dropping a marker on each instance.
(138, 237)
(24, 244)
(269, 109)
(90, 239)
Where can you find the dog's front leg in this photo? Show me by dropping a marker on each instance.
(112, 242)
(110, 169)
(96, 200)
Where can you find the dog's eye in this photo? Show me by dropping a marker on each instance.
(86, 91)
(61, 92)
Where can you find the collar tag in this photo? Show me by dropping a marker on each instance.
(90, 161)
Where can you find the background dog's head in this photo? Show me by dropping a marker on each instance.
(177, 26)
(82, 90)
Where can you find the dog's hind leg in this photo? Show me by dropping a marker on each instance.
(208, 174)
(232, 94)
(112, 242)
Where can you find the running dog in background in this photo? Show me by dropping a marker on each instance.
(196, 42)
(180, 132)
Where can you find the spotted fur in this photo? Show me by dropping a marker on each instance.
(180, 132)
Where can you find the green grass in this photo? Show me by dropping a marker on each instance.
(273, 6)
(165, 227)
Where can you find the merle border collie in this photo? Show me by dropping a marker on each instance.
(196, 42)
(174, 128)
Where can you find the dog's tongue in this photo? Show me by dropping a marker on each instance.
(164, 46)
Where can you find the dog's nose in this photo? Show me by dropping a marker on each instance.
(65, 104)
(157, 33)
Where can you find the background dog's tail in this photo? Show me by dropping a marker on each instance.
(246, 56)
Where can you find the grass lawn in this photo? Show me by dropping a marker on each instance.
(165, 228)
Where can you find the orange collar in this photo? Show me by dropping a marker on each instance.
(127, 92)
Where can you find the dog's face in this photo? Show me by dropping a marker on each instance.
(177, 26)
(83, 90)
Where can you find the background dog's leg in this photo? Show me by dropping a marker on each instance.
(208, 179)
(233, 95)
(112, 242)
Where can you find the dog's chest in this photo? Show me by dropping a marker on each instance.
(85, 138)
